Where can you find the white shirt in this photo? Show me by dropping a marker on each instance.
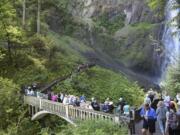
(65, 101)
(178, 97)
(146, 114)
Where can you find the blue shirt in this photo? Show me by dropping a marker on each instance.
(151, 113)
(82, 98)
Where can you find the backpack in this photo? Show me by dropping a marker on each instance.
(172, 120)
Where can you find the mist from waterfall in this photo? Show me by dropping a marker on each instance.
(171, 37)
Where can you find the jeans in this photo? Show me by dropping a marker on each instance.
(162, 125)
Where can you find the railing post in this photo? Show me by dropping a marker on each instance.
(117, 119)
(40, 104)
(132, 122)
(32, 113)
(36, 109)
(67, 111)
(30, 109)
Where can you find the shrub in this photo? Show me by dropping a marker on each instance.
(93, 127)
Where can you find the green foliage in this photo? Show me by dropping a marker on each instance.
(172, 84)
(94, 128)
(9, 109)
(142, 26)
(102, 83)
(41, 44)
(111, 25)
(46, 56)
(158, 6)
(134, 46)
(2, 55)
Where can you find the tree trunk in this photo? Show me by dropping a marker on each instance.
(38, 16)
(24, 14)
(9, 52)
(8, 44)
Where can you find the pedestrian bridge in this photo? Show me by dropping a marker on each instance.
(39, 107)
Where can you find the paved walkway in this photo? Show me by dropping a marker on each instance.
(138, 128)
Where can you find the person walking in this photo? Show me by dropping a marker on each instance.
(177, 132)
(149, 117)
(171, 123)
(161, 116)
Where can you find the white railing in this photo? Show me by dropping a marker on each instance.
(72, 113)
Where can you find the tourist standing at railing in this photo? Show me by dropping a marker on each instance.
(105, 107)
(111, 107)
(27, 91)
(59, 98)
(178, 98)
(161, 116)
(82, 98)
(32, 92)
(65, 100)
(70, 98)
(95, 105)
(126, 109)
(38, 94)
(49, 95)
(76, 102)
(120, 105)
(54, 97)
(149, 117)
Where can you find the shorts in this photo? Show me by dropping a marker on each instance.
(149, 124)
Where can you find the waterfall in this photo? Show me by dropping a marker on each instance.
(171, 37)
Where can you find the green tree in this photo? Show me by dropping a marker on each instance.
(10, 33)
(172, 84)
(158, 6)
(9, 103)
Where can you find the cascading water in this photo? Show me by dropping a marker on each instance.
(171, 37)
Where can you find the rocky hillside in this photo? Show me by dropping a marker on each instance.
(125, 34)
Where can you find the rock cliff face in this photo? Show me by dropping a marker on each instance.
(125, 34)
(135, 10)
(91, 8)
(138, 11)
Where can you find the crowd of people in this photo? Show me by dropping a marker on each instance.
(160, 108)
(108, 106)
(166, 113)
